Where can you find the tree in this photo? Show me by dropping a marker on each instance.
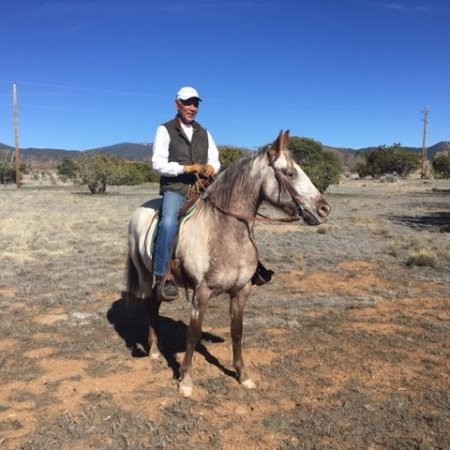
(67, 169)
(7, 171)
(8, 168)
(149, 175)
(441, 166)
(97, 171)
(385, 160)
(227, 155)
(404, 162)
(322, 166)
(375, 163)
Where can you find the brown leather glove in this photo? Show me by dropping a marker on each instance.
(207, 170)
(194, 168)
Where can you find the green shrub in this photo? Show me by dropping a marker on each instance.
(322, 166)
(97, 171)
(67, 169)
(8, 168)
(7, 172)
(441, 166)
(227, 155)
(386, 160)
(150, 176)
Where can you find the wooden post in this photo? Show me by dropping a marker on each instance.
(424, 142)
(16, 134)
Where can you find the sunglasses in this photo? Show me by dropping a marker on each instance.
(190, 101)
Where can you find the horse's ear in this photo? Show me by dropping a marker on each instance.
(277, 146)
(284, 140)
(280, 136)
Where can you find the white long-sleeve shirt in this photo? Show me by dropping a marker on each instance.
(160, 158)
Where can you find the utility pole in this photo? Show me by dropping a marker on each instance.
(425, 111)
(16, 134)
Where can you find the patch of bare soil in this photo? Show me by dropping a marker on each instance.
(348, 345)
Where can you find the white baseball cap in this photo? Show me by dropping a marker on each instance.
(187, 92)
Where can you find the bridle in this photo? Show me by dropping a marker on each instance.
(283, 184)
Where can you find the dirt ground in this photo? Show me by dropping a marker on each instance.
(348, 345)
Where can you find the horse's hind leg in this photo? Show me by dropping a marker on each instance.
(237, 305)
(153, 314)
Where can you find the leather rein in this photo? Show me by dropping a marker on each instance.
(283, 184)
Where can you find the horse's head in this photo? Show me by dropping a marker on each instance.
(289, 188)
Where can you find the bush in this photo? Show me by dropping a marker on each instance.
(322, 166)
(227, 155)
(423, 258)
(97, 171)
(441, 166)
(67, 169)
(150, 176)
(130, 173)
(7, 171)
(8, 168)
(385, 160)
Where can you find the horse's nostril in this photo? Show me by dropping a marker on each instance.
(324, 210)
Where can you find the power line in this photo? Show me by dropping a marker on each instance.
(91, 89)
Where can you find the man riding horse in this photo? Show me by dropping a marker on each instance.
(182, 151)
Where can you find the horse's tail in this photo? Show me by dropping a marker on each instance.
(132, 278)
(139, 273)
(138, 277)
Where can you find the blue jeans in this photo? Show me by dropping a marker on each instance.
(167, 230)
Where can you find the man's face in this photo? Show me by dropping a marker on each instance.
(187, 109)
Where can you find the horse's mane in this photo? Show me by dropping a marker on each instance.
(234, 179)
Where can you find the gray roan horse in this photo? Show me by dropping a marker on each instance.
(216, 251)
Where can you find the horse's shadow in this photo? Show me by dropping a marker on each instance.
(129, 317)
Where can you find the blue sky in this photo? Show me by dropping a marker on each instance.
(347, 73)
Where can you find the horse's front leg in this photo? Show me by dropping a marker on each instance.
(237, 304)
(199, 303)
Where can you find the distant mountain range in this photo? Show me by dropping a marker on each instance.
(49, 158)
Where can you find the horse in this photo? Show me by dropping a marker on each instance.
(216, 251)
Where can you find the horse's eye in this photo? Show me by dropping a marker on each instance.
(289, 172)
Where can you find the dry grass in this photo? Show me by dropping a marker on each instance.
(348, 344)
(423, 257)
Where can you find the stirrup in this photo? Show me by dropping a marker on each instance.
(262, 275)
(165, 290)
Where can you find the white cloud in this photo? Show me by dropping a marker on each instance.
(405, 7)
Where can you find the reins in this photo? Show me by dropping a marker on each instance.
(245, 218)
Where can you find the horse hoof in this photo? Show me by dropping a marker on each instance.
(185, 391)
(154, 354)
(249, 384)
(186, 386)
